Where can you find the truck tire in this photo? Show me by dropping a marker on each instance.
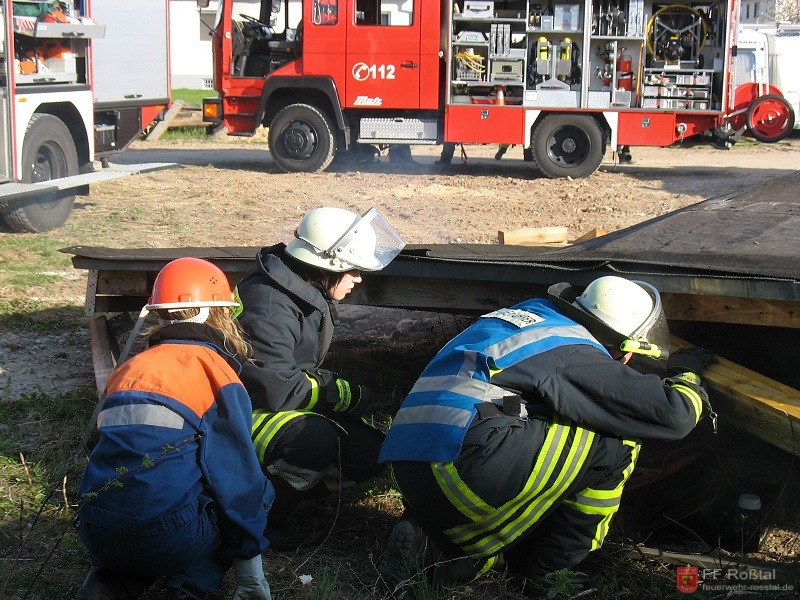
(769, 118)
(568, 145)
(48, 152)
(301, 139)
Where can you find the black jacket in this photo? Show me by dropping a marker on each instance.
(290, 325)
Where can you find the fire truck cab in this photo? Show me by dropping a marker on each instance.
(566, 80)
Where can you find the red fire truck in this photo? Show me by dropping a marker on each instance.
(79, 80)
(566, 79)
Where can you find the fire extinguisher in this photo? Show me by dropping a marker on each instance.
(544, 48)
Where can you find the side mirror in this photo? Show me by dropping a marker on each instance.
(276, 6)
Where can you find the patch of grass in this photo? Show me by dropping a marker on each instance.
(34, 315)
(30, 262)
(40, 467)
(191, 96)
(185, 134)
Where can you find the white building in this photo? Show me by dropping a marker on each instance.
(769, 11)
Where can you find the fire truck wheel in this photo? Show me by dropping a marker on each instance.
(568, 145)
(770, 118)
(301, 139)
(48, 152)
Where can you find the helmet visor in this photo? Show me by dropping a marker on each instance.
(370, 244)
(654, 330)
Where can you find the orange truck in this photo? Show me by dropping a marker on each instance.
(566, 80)
(79, 80)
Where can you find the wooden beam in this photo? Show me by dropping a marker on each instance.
(533, 236)
(157, 131)
(752, 402)
(103, 363)
(703, 561)
(590, 235)
(726, 309)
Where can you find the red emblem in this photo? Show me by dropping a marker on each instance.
(687, 579)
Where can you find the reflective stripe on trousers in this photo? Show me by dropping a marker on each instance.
(604, 503)
(266, 426)
(490, 529)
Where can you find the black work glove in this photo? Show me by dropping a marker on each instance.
(691, 380)
(692, 360)
(351, 398)
(341, 396)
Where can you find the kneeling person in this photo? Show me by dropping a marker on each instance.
(173, 488)
(517, 440)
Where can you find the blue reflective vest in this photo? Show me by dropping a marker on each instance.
(433, 420)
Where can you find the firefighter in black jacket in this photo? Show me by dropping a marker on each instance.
(517, 440)
(307, 421)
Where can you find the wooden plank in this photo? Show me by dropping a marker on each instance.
(703, 561)
(157, 131)
(726, 309)
(103, 363)
(533, 236)
(102, 356)
(590, 235)
(752, 402)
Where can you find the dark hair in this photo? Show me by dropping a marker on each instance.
(318, 278)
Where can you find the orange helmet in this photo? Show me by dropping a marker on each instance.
(190, 283)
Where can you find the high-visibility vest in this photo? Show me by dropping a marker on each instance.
(433, 420)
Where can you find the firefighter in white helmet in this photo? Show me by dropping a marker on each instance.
(173, 487)
(308, 429)
(517, 440)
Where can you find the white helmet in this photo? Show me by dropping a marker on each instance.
(338, 240)
(622, 313)
(621, 304)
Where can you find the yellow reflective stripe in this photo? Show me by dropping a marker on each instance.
(488, 536)
(606, 502)
(492, 561)
(460, 496)
(693, 397)
(545, 463)
(575, 458)
(344, 396)
(266, 425)
(316, 392)
(239, 308)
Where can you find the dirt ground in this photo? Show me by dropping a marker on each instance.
(229, 193)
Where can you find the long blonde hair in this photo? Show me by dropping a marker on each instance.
(221, 319)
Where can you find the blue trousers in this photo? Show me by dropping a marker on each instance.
(181, 546)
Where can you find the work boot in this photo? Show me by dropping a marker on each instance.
(411, 552)
(401, 155)
(406, 554)
(104, 584)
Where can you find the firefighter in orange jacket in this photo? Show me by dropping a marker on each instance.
(173, 488)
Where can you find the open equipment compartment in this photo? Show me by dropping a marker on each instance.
(599, 54)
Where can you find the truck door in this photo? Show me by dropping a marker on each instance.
(6, 168)
(383, 54)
